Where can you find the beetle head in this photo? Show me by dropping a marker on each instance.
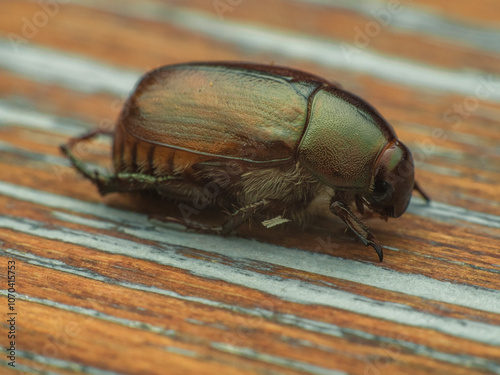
(393, 181)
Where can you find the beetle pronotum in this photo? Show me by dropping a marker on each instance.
(291, 136)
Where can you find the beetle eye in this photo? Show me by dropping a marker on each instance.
(382, 191)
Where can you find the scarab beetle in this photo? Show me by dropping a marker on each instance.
(259, 140)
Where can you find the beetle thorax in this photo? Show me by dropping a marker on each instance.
(341, 143)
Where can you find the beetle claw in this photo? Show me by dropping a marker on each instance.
(370, 240)
(374, 243)
(361, 230)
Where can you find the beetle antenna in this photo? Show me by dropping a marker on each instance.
(424, 195)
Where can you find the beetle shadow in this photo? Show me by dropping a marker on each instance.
(325, 234)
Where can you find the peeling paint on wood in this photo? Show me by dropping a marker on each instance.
(103, 288)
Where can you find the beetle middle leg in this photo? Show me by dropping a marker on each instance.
(234, 220)
(341, 210)
(243, 214)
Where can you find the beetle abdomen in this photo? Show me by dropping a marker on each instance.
(138, 156)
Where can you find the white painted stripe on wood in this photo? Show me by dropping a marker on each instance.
(268, 314)
(47, 160)
(14, 115)
(446, 212)
(326, 52)
(263, 357)
(442, 211)
(139, 226)
(70, 70)
(38, 364)
(95, 314)
(291, 290)
(85, 74)
(276, 360)
(411, 18)
(436, 210)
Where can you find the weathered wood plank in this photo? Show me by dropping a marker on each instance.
(102, 288)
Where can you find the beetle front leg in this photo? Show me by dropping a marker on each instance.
(341, 210)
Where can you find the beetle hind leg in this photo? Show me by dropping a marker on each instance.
(341, 210)
(121, 182)
(78, 164)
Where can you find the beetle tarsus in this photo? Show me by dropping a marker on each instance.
(78, 164)
(341, 210)
(243, 214)
(192, 225)
(376, 245)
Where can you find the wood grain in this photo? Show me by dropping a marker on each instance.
(103, 288)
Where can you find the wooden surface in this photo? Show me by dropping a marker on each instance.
(102, 289)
